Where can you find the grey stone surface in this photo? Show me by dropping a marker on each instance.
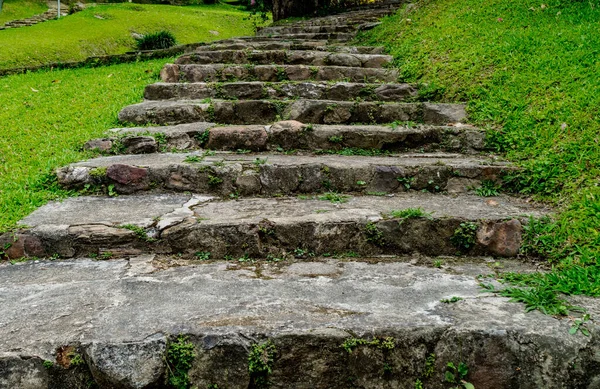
(307, 310)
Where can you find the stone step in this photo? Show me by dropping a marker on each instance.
(284, 57)
(253, 90)
(305, 111)
(327, 36)
(274, 73)
(294, 29)
(291, 135)
(315, 324)
(259, 227)
(238, 44)
(270, 174)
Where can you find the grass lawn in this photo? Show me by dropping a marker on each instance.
(107, 29)
(529, 72)
(21, 9)
(45, 117)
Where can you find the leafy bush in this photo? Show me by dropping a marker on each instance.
(156, 41)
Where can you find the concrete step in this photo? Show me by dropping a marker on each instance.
(270, 174)
(274, 73)
(305, 111)
(290, 135)
(261, 227)
(333, 36)
(253, 90)
(283, 57)
(239, 44)
(316, 323)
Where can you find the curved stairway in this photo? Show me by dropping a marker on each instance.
(298, 147)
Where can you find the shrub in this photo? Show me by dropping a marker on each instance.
(156, 41)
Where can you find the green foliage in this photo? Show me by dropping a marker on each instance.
(203, 138)
(334, 197)
(56, 42)
(429, 366)
(336, 139)
(214, 180)
(580, 325)
(75, 359)
(21, 9)
(464, 236)
(180, 356)
(202, 255)
(139, 231)
(387, 343)
(488, 188)
(406, 182)
(156, 41)
(454, 299)
(48, 364)
(533, 91)
(410, 213)
(374, 234)
(457, 375)
(260, 364)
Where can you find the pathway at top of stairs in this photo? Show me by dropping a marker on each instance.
(282, 190)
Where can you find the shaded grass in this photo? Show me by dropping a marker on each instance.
(21, 9)
(84, 34)
(529, 73)
(45, 117)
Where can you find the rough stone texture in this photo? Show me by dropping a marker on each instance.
(443, 113)
(280, 135)
(241, 44)
(140, 145)
(102, 145)
(341, 91)
(274, 73)
(280, 174)
(502, 239)
(307, 310)
(265, 111)
(232, 228)
(282, 57)
(134, 365)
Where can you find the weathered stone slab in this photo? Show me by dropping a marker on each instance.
(278, 174)
(274, 73)
(252, 90)
(293, 135)
(305, 111)
(306, 310)
(239, 44)
(262, 227)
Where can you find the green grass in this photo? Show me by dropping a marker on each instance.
(21, 9)
(45, 117)
(83, 34)
(530, 76)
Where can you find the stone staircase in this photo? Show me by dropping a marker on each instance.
(51, 14)
(284, 195)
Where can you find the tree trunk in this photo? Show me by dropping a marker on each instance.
(1, 3)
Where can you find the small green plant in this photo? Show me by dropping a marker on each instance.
(361, 183)
(302, 253)
(214, 180)
(156, 41)
(453, 299)
(180, 356)
(374, 234)
(99, 172)
(139, 231)
(75, 359)
(418, 384)
(457, 375)
(410, 213)
(260, 161)
(334, 197)
(488, 188)
(429, 366)
(437, 264)
(387, 343)
(464, 236)
(111, 191)
(219, 163)
(406, 182)
(580, 325)
(202, 255)
(260, 364)
(48, 364)
(193, 159)
(336, 139)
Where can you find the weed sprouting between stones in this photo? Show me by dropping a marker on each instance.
(464, 236)
(260, 364)
(180, 356)
(374, 234)
(410, 213)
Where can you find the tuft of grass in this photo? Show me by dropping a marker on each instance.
(156, 41)
(410, 213)
(334, 197)
(487, 189)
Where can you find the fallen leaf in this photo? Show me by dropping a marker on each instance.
(34, 90)
(110, 75)
(492, 203)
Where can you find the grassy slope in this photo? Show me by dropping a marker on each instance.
(81, 35)
(45, 118)
(21, 9)
(530, 74)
